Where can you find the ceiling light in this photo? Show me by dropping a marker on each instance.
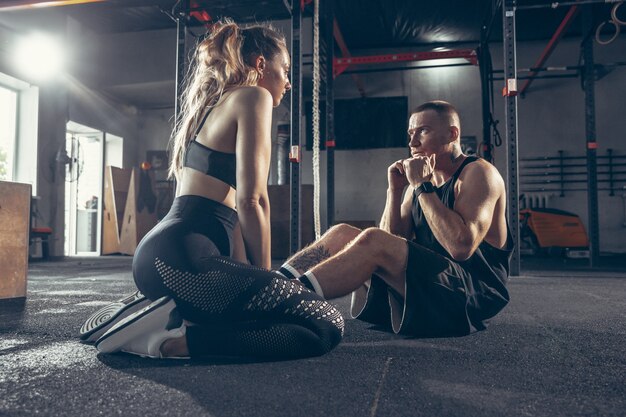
(39, 57)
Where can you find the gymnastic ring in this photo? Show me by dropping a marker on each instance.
(614, 14)
(599, 29)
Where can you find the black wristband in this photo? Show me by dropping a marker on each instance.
(425, 187)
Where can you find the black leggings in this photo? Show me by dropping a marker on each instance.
(236, 309)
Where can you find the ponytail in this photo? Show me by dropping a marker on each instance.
(223, 60)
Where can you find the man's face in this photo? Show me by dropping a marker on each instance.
(428, 133)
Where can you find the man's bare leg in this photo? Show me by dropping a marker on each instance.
(373, 251)
(331, 242)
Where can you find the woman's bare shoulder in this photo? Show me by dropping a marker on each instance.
(249, 95)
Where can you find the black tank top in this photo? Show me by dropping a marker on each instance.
(488, 267)
(220, 165)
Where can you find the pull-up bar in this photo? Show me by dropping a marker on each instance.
(556, 4)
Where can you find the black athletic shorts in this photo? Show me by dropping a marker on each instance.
(438, 295)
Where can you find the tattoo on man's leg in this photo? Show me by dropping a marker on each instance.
(309, 258)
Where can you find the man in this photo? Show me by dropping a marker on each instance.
(438, 264)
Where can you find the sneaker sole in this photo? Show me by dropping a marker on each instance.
(127, 329)
(102, 320)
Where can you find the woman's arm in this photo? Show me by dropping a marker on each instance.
(239, 250)
(254, 122)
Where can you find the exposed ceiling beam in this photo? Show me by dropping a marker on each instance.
(569, 17)
(37, 4)
(341, 64)
(346, 54)
(490, 19)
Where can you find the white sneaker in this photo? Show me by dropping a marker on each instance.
(143, 332)
(102, 320)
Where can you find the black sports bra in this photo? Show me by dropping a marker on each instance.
(220, 165)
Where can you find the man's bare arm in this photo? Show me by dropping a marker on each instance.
(396, 218)
(462, 229)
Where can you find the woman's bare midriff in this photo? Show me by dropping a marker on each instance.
(194, 182)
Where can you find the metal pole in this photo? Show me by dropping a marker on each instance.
(483, 63)
(590, 131)
(555, 4)
(510, 110)
(296, 105)
(330, 113)
(181, 54)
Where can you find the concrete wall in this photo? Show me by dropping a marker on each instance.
(71, 97)
(551, 117)
(52, 116)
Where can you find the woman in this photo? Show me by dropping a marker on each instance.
(208, 299)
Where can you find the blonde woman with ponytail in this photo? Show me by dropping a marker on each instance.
(240, 74)
(203, 273)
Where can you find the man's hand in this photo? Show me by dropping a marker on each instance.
(396, 176)
(418, 169)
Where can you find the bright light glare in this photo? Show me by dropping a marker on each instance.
(39, 57)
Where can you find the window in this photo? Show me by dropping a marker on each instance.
(8, 130)
(19, 103)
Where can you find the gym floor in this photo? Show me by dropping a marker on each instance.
(558, 349)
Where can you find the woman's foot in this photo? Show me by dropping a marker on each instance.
(175, 348)
(144, 332)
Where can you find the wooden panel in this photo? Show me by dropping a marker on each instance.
(14, 239)
(116, 183)
(136, 223)
(121, 183)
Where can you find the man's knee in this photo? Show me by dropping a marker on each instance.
(380, 245)
(343, 230)
(340, 235)
(387, 253)
(373, 239)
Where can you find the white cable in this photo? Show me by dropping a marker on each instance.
(316, 120)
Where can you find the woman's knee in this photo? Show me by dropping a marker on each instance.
(329, 328)
(329, 337)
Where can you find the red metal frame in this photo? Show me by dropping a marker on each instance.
(341, 64)
(199, 14)
(346, 55)
(569, 17)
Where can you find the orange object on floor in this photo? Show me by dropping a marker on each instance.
(554, 227)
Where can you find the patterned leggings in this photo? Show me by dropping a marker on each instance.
(235, 309)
